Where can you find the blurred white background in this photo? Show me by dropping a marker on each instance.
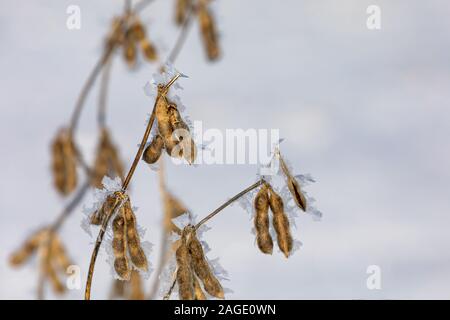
(366, 112)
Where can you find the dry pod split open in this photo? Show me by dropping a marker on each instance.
(53, 259)
(293, 186)
(208, 30)
(280, 223)
(64, 162)
(107, 162)
(261, 222)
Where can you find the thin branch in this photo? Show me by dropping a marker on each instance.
(87, 87)
(104, 83)
(226, 204)
(138, 156)
(162, 91)
(182, 36)
(138, 7)
(168, 294)
(68, 209)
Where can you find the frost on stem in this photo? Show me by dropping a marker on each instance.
(131, 236)
(208, 286)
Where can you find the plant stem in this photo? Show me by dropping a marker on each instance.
(138, 156)
(104, 83)
(182, 36)
(162, 91)
(87, 87)
(226, 204)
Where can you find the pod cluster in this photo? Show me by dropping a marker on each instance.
(266, 199)
(129, 33)
(107, 161)
(64, 162)
(173, 134)
(52, 255)
(126, 243)
(206, 22)
(194, 275)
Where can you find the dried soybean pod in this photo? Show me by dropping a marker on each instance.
(105, 210)
(48, 270)
(297, 194)
(293, 186)
(153, 150)
(136, 30)
(164, 126)
(184, 276)
(148, 49)
(64, 162)
(181, 9)
(202, 269)
(198, 292)
(118, 289)
(280, 223)
(107, 162)
(136, 292)
(59, 253)
(135, 251)
(129, 51)
(208, 31)
(27, 249)
(175, 119)
(263, 237)
(119, 245)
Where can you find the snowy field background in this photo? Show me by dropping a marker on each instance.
(365, 112)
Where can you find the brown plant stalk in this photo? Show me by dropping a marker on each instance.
(162, 91)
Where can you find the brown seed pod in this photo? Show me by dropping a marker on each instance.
(208, 31)
(187, 149)
(136, 291)
(280, 223)
(202, 269)
(119, 245)
(105, 210)
(59, 254)
(47, 268)
(297, 194)
(153, 150)
(164, 126)
(29, 247)
(136, 31)
(116, 34)
(181, 8)
(293, 186)
(107, 162)
(261, 221)
(135, 251)
(184, 276)
(198, 291)
(129, 51)
(148, 50)
(118, 289)
(64, 162)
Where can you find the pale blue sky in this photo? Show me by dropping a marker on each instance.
(365, 112)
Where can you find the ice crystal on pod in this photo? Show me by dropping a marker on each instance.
(99, 196)
(167, 276)
(151, 88)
